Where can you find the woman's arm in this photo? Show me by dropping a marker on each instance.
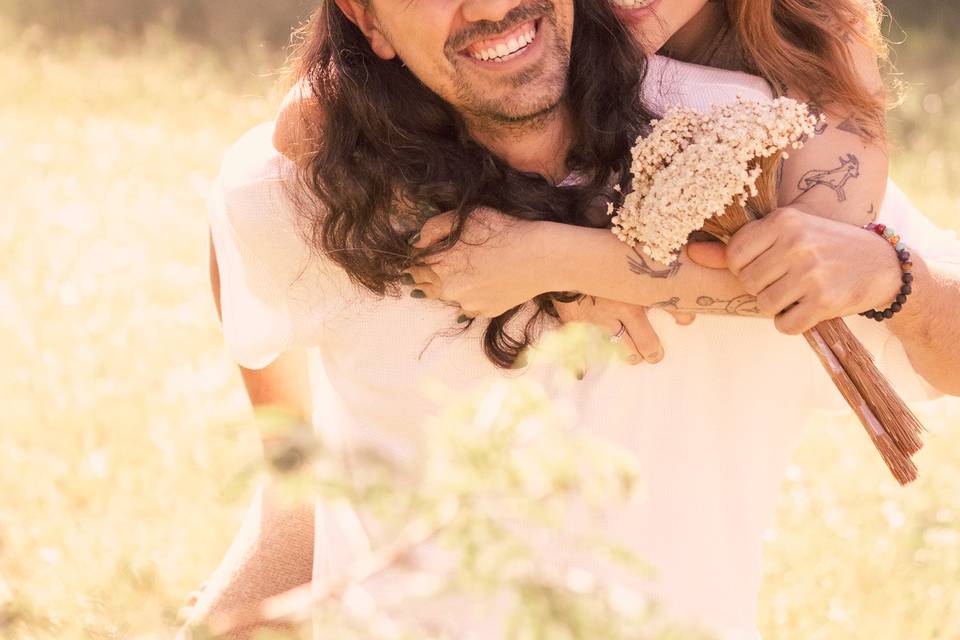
(501, 262)
(841, 172)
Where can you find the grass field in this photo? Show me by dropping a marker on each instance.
(122, 418)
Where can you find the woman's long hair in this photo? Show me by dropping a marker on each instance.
(390, 147)
(805, 44)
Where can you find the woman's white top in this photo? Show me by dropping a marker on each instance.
(713, 425)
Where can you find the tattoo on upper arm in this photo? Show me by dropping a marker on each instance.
(850, 126)
(640, 266)
(817, 111)
(745, 305)
(835, 179)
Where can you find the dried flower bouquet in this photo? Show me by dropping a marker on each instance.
(717, 172)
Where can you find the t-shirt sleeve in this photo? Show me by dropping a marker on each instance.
(271, 292)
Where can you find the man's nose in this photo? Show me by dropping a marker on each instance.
(489, 10)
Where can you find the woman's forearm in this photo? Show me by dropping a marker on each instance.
(594, 262)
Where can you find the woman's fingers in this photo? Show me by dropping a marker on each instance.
(633, 353)
(682, 318)
(645, 339)
(426, 291)
(434, 230)
(420, 274)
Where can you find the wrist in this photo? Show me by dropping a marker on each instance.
(898, 279)
(887, 280)
(911, 321)
(557, 256)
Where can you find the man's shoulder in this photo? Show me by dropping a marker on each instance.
(252, 158)
(256, 189)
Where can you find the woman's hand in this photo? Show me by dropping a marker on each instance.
(804, 269)
(639, 338)
(498, 263)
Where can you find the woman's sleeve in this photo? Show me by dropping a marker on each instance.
(271, 291)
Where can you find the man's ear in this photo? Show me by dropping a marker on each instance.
(359, 13)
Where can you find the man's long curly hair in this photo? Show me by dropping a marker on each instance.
(388, 147)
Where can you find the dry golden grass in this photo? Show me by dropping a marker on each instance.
(120, 410)
(117, 400)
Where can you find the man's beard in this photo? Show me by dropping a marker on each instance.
(488, 113)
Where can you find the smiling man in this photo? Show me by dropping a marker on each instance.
(456, 105)
(426, 105)
(501, 65)
(486, 108)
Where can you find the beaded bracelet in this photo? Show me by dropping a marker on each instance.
(906, 268)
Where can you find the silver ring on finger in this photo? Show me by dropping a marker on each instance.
(618, 336)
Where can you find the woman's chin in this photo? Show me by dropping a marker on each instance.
(630, 12)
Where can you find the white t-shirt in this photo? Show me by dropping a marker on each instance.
(713, 425)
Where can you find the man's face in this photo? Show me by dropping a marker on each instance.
(496, 61)
(655, 21)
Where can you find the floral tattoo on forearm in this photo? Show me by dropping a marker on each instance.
(745, 305)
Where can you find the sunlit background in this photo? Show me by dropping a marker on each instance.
(121, 419)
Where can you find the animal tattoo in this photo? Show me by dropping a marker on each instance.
(835, 179)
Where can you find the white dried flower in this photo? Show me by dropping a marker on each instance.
(692, 166)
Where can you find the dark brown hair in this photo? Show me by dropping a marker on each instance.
(390, 147)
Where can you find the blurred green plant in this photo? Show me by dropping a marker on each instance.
(499, 493)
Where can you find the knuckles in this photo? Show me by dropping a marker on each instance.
(749, 279)
(767, 306)
(787, 219)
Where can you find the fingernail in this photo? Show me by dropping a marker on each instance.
(654, 358)
(463, 319)
(633, 359)
(417, 293)
(407, 279)
(414, 239)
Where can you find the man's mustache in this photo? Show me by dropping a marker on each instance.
(516, 17)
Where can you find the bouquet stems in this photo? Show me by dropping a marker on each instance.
(893, 428)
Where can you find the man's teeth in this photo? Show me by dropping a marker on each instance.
(632, 4)
(503, 50)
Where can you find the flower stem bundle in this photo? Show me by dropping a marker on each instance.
(716, 172)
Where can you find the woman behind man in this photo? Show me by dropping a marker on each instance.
(285, 381)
